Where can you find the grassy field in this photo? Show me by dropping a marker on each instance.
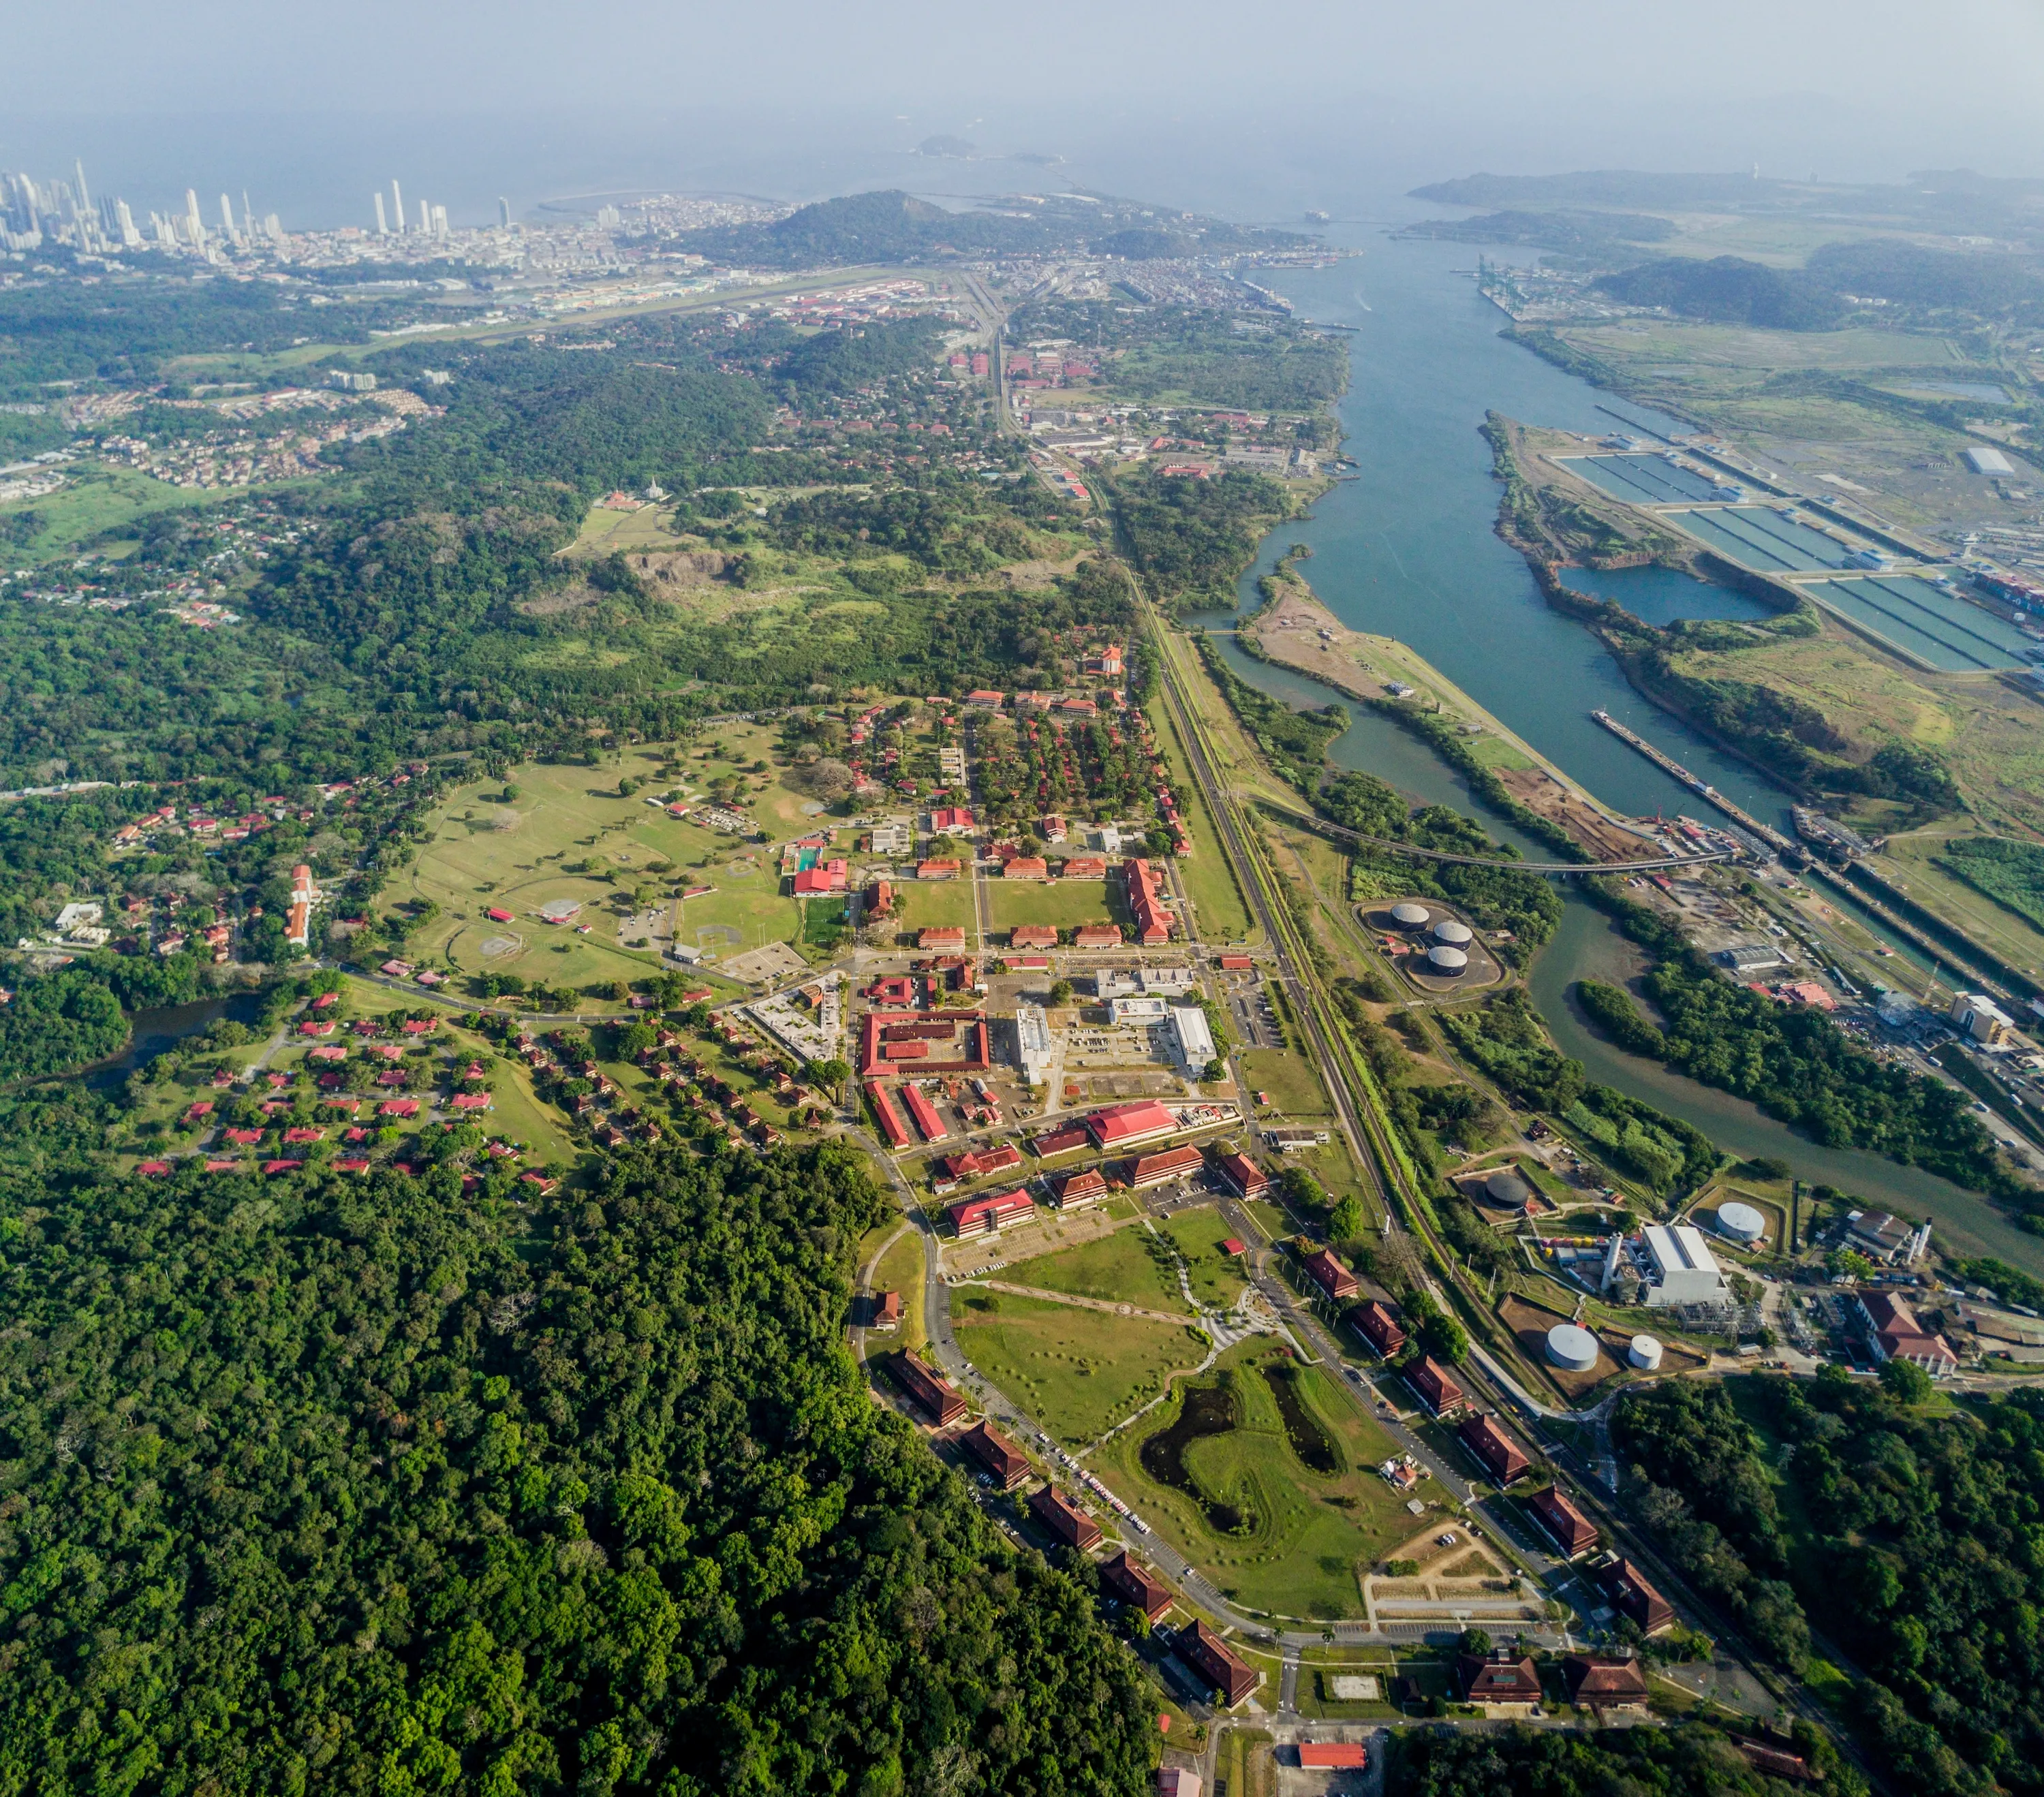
(1308, 1535)
(97, 498)
(482, 853)
(1290, 1079)
(1749, 348)
(1128, 1267)
(901, 1269)
(1216, 1279)
(1063, 904)
(926, 904)
(1986, 735)
(1909, 860)
(1219, 910)
(1076, 1372)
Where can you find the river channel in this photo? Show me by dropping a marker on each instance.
(1408, 550)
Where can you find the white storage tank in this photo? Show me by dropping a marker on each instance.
(1644, 1353)
(1571, 1347)
(1741, 1223)
(1454, 935)
(1410, 916)
(1447, 962)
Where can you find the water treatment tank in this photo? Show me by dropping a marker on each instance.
(1454, 935)
(1644, 1353)
(1446, 961)
(1572, 1348)
(1741, 1223)
(1410, 916)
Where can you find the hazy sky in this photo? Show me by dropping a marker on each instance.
(791, 90)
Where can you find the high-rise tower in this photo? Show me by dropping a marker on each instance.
(382, 224)
(397, 204)
(503, 213)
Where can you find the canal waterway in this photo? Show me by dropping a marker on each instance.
(1408, 550)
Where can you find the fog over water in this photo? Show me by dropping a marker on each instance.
(1329, 105)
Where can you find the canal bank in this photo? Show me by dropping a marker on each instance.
(1409, 552)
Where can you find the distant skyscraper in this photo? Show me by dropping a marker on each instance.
(247, 216)
(440, 223)
(383, 224)
(124, 222)
(84, 197)
(273, 228)
(503, 213)
(194, 225)
(397, 204)
(227, 220)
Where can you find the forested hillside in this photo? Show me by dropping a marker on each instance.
(386, 1487)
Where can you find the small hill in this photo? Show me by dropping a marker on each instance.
(1728, 290)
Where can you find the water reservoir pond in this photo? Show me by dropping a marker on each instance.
(1662, 596)
(1760, 538)
(1207, 1410)
(1644, 480)
(1914, 615)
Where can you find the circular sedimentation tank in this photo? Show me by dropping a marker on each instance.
(1571, 1347)
(1410, 916)
(1454, 935)
(1442, 959)
(1644, 1353)
(1741, 1223)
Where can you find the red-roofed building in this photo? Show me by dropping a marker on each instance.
(1142, 886)
(937, 1398)
(500, 916)
(1377, 1325)
(986, 698)
(975, 1163)
(1245, 1178)
(1333, 1755)
(1160, 1169)
(154, 1169)
(1027, 867)
(471, 1101)
(880, 899)
(1083, 867)
(1032, 935)
(1135, 1585)
(996, 1454)
(941, 937)
(1098, 935)
(1897, 1334)
(1076, 1191)
(952, 817)
(1330, 1276)
(985, 1214)
(1237, 963)
(273, 1168)
(1627, 1588)
(398, 1107)
(1065, 1520)
(244, 1137)
(1058, 1142)
(1502, 1456)
(1436, 1386)
(895, 991)
(923, 1114)
(1570, 1530)
(1123, 1126)
(1202, 1649)
(889, 1118)
(825, 877)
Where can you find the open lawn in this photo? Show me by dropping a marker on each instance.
(482, 853)
(925, 904)
(1220, 912)
(1290, 1079)
(901, 1269)
(1063, 904)
(1910, 860)
(1077, 1372)
(1128, 1267)
(96, 498)
(1302, 1535)
(1216, 1279)
(1749, 347)
(1985, 735)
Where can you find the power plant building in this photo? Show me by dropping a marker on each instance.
(1684, 1270)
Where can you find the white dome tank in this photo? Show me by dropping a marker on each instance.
(1644, 1353)
(1741, 1223)
(1454, 935)
(1572, 1347)
(1410, 916)
(1442, 959)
